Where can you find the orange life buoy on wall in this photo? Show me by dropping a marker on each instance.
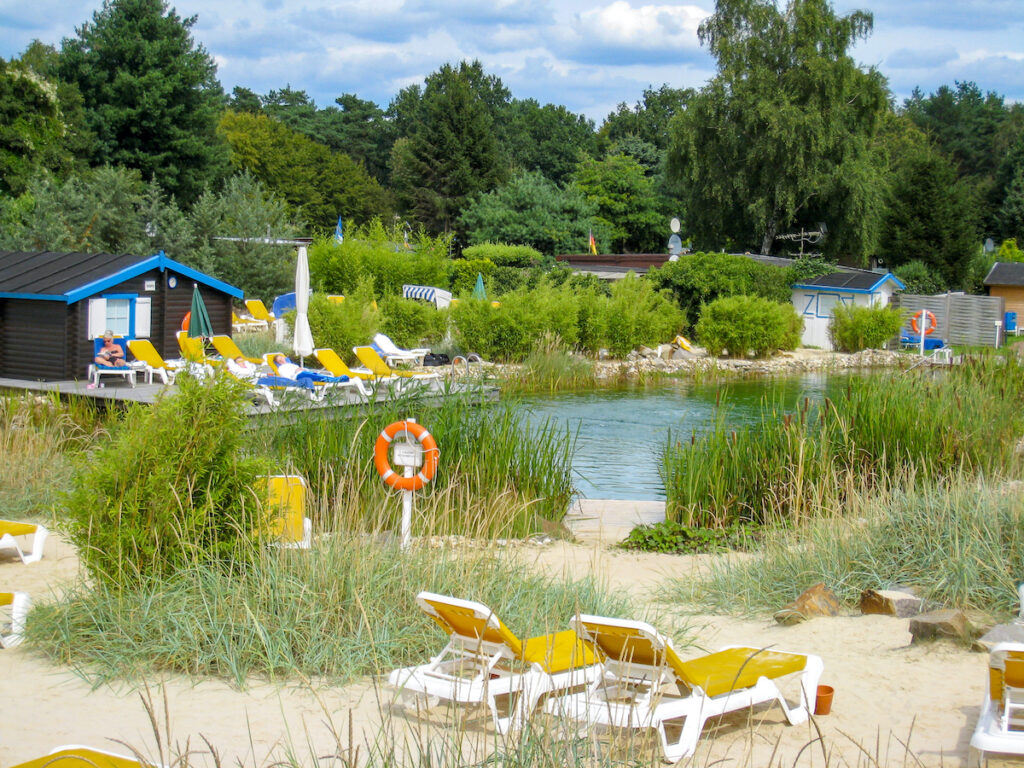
(186, 320)
(430, 456)
(929, 317)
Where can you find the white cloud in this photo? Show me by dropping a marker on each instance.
(647, 25)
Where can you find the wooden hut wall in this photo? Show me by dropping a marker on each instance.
(178, 301)
(32, 345)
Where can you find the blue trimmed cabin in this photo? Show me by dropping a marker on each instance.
(53, 305)
(816, 299)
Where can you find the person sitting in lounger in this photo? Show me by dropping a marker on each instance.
(110, 354)
(247, 371)
(290, 370)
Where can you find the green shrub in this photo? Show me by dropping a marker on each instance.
(412, 323)
(918, 278)
(700, 278)
(638, 314)
(854, 328)
(464, 272)
(378, 254)
(502, 255)
(671, 537)
(744, 324)
(172, 488)
(347, 324)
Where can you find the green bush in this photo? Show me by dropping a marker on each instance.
(672, 537)
(918, 278)
(412, 323)
(638, 314)
(347, 324)
(744, 324)
(378, 253)
(700, 278)
(855, 328)
(464, 272)
(502, 255)
(172, 488)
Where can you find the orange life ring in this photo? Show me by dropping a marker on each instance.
(929, 316)
(430, 456)
(186, 320)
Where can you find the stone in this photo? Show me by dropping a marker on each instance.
(678, 353)
(818, 600)
(646, 352)
(1001, 633)
(603, 354)
(947, 622)
(890, 602)
(665, 351)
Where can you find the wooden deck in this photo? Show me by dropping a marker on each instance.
(116, 392)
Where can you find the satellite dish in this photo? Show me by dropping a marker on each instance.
(675, 244)
(674, 224)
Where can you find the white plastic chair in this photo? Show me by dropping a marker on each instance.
(12, 532)
(17, 604)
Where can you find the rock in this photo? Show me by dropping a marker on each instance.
(945, 623)
(819, 600)
(647, 352)
(665, 351)
(890, 602)
(678, 353)
(1001, 633)
(603, 354)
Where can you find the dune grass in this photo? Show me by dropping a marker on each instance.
(962, 545)
(343, 610)
(39, 436)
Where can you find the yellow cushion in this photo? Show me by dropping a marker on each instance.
(737, 668)
(558, 652)
(83, 757)
(465, 622)
(17, 529)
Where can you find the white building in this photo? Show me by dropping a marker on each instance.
(816, 299)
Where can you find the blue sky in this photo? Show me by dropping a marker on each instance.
(588, 56)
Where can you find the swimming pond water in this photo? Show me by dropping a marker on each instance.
(620, 433)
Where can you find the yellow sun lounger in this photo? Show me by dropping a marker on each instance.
(1001, 722)
(324, 386)
(258, 310)
(227, 349)
(286, 498)
(144, 351)
(374, 363)
(334, 365)
(74, 756)
(645, 684)
(17, 605)
(484, 660)
(241, 324)
(12, 532)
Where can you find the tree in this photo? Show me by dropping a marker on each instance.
(648, 119)
(150, 94)
(103, 210)
(452, 152)
(784, 130)
(548, 138)
(627, 205)
(318, 183)
(532, 210)
(30, 127)
(930, 217)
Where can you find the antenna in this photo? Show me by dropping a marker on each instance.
(811, 237)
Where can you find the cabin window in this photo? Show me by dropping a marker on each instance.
(128, 316)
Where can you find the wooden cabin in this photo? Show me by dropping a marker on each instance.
(1006, 280)
(53, 305)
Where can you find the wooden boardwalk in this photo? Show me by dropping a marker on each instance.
(115, 392)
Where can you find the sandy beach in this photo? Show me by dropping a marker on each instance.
(889, 694)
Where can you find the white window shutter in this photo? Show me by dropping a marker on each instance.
(97, 318)
(143, 317)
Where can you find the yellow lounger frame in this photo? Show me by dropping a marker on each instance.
(11, 532)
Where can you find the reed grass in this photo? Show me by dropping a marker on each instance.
(342, 610)
(551, 367)
(497, 475)
(257, 343)
(807, 463)
(961, 544)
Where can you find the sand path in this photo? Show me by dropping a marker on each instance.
(887, 690)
